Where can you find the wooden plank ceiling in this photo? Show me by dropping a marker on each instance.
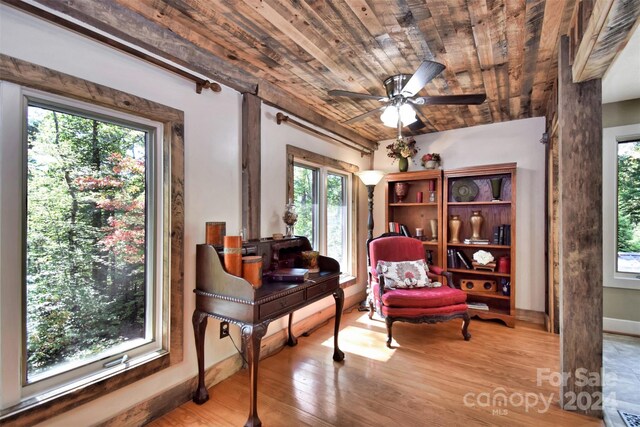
(504, 48)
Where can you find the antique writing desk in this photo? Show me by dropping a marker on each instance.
(230, 298)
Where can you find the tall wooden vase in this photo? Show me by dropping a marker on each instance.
(476, 225)
(454, 228)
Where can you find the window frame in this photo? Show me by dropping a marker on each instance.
(154, 278)
(30, 76)
(611, 138)
(326, 165)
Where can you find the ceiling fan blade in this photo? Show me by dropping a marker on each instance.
(365, 115)
(450, 99)
(417, 125)
(357, 95)
(423, 75)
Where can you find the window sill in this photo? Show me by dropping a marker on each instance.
(37, 408)
(347, 281)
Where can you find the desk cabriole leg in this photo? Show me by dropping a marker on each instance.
(338, 294)
(251, 337)
(199, 321)
(292, 341)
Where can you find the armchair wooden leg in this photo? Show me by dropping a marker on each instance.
(371, 309)
(389, 323)
(465, 327)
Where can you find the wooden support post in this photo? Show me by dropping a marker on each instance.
(251, 110)
(580, 158)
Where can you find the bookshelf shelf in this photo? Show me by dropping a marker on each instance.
(495, 295)
(397, 205)
(497, 225)
(488, 202)
(479, 246)
(478, 272)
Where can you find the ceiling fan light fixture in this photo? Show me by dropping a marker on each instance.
(390, 116)
(407, 114)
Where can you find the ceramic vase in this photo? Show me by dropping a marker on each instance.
(401, 189)
(496, 187)
(403, 164)
(434, 229)
(476, 225)
(454, 228)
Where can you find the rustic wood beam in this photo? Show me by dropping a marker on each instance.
(111, 17)
(611, 25)
(251, 162)
(272, 95)
(580, 236)
(126, 25)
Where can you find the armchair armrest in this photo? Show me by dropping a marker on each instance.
(437, 271)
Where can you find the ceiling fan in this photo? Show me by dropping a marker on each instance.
(402, 89)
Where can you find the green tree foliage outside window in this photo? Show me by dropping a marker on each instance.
(629, 207)
(304, 197)
(336, 218)
(86, 240)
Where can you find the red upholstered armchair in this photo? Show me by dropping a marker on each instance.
(416, 305)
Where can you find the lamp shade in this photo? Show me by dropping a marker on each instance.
(371, 177)
(389, 116)
(407, 114)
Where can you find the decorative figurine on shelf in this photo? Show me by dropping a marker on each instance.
(506, 287)
(290, 217)
(431, 160)
(483, 260)
(496, 189)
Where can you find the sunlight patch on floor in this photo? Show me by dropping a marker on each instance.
(363, 342)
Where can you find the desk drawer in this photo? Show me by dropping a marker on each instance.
(281, 305)
(321, 288)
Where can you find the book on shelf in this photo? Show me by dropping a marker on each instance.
(478, 306)
(405, 230)
(394, 227)
(476, 241)
(502, 234)
(464, 260)
(452, 259)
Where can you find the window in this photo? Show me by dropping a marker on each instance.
(91, 215)
(628, 207)
(321, 190)
(621, 206)
(91, 194)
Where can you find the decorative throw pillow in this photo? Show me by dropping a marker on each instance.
(405, 274)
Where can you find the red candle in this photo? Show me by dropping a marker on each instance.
(419, 197)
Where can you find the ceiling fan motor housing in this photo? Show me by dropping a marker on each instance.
(394, 84)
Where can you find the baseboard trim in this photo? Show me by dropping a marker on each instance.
(621, 326)
(156, 406)
(531, 316)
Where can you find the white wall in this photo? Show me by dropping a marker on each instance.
(515, 141)
(212, 172)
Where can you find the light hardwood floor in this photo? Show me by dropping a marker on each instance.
(424, 381)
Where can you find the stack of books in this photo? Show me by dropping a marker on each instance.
(502, 234)
(478, 306)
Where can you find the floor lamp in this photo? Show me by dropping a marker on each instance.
(370, 179)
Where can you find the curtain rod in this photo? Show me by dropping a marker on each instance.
(200, 82)
(364, 151)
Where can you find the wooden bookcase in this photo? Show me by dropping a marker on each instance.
(415, 214)
(495, 214)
